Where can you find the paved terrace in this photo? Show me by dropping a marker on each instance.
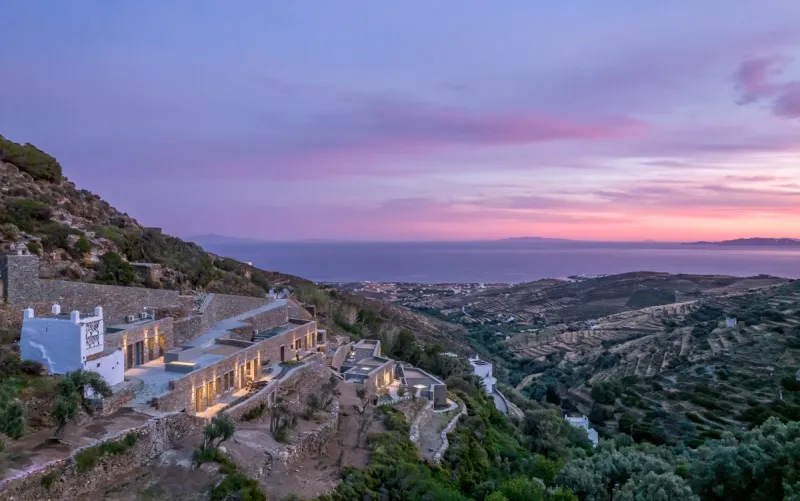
(156, 379)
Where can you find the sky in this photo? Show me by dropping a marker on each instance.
(418, 120)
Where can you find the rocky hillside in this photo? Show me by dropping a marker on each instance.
(79, 236)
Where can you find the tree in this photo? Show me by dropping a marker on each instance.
(520, 488)
(73, 390)
(496, 496)
(219, 430)
(656, 487)
(279, 415)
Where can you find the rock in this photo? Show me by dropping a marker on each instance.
(223, 449)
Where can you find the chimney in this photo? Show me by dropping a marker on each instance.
(56, 309)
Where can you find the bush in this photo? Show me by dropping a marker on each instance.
(34, 248)
(237, 486)
(49, 479)
(28, 158)
(26, 214)
(32, 367)
(114, 270)
(9, 231)
(83, 245)
(88, 458)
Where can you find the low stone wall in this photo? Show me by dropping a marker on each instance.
(154, 437)
(110, 405)
(437, 457)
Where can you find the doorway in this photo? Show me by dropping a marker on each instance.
(198, 399)
(210, 394)
(151, 348)
(242, 377)
(129, 358)
(161, 345)
(283, 353)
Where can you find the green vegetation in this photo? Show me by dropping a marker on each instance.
(83, 245)
(49, 479)
(25, 214)
(88, 458)
(114, 270)
(30, 159)
(72, 390)
(235, 485)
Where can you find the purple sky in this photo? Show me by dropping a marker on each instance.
(454, 119)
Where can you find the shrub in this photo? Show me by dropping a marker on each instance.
(237, 486)
(114, 270)
(32, 367)
(34, 248)
(27, 214)
(83, 245)
(88, 458)
(49, 479)
(9, 231)
(28, 158)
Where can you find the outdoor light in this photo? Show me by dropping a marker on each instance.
(419, 386)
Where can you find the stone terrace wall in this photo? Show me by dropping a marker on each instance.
(181, 395)
(217, 307)
(296, 384)
(154, 438)
(24, 287)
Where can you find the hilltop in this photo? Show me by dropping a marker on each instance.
(753, 242)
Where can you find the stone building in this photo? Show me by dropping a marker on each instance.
(66, 343)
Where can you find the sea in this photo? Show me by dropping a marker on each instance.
(506, 261)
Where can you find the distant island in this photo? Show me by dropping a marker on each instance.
(753, 242)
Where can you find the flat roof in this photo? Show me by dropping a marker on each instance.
(414, 376)
(368, 365)
(126, 326)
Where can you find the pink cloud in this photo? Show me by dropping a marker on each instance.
(755, 81)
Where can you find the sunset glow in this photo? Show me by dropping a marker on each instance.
(418, 121)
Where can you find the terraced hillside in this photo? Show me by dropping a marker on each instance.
(558, 301)
(675, 372)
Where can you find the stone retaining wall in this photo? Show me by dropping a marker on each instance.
(437, 457)
(300, 380)
(110, 405)
(24, 287)
(154, 437)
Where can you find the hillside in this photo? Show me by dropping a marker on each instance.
(638, 359)
(79, 236)
(547, 302)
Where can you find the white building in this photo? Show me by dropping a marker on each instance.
(583, 422)
(66, 343)
(483, 370)
(730, 322)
